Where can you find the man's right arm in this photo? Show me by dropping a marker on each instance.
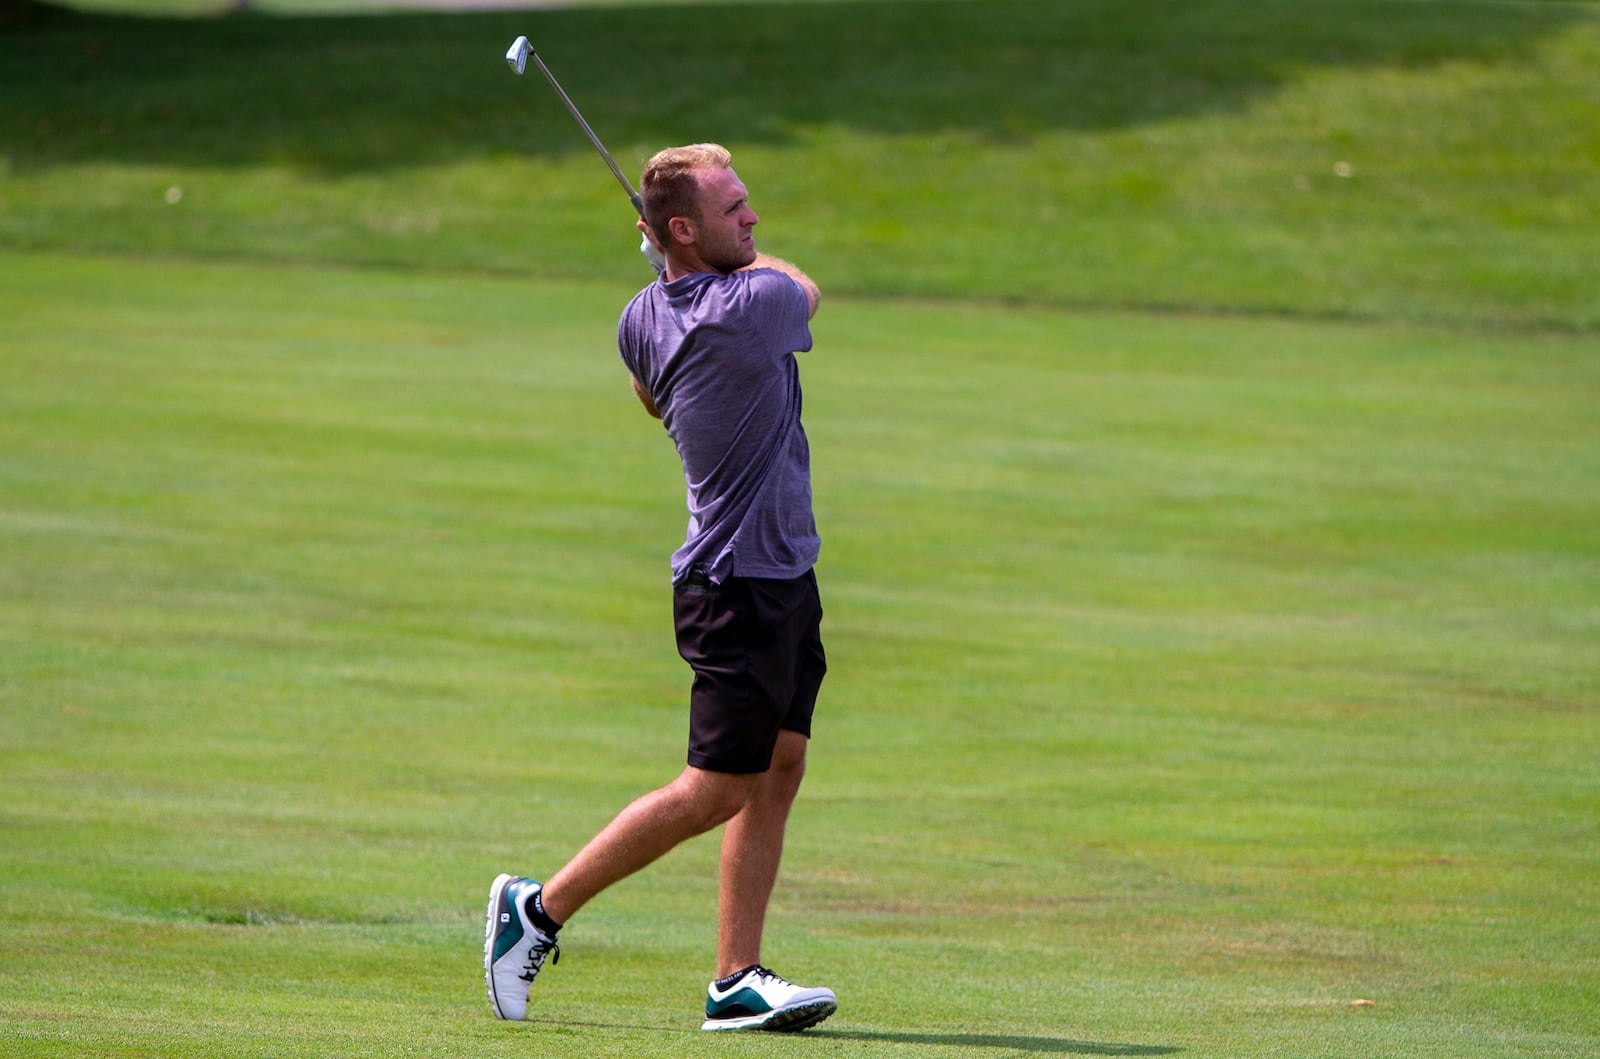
(644, 397)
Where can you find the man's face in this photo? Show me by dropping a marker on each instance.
(725, 232)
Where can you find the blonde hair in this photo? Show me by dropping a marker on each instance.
(670, 184)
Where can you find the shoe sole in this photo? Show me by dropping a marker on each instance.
(491, 917)
(784, 1020)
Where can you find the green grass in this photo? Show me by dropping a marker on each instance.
(1191, 679)
(1162, 155)
(1195, 673)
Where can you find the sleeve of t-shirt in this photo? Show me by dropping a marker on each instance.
(628, 339)
(785, 311)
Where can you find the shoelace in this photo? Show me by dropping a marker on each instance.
(759, 971)
(536, 957)
(770, 976)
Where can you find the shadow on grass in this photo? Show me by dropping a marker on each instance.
(366, 93)
(1012, 1042)
(1040, 1045)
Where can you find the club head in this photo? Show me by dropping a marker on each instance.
(517, 55)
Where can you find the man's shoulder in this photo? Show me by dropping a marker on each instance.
(726, 288)
(764, 285)
(643, 304)
(701, 293)
(767, 275)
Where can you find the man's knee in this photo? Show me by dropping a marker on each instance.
(714, 798)
(782, 780)
(785, 766)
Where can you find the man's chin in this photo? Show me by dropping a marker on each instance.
(735, 262)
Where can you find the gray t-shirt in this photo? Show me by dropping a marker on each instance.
(716, 354)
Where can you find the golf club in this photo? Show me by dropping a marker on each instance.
(517, 58)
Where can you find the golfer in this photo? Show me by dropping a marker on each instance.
(711, 350)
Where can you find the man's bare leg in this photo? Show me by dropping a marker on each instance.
(651, 826)
(752, 846)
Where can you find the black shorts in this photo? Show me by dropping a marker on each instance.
(755, 645)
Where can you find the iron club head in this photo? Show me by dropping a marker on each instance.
(517, 58)
(517, 55)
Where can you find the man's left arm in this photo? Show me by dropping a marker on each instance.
(813, 295)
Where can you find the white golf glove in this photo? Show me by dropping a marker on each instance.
(657, 259)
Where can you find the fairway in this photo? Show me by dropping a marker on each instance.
(1203, 414)
(1191, 679)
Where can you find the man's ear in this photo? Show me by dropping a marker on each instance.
(682, 229)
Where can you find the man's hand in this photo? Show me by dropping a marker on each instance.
(651, 251)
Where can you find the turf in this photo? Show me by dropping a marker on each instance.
(1196, 673)
(1191, 679)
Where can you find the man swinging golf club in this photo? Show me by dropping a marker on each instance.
(711, 350)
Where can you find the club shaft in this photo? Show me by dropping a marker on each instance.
(633, 196)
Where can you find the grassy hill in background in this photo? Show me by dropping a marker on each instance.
(1420, 161)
